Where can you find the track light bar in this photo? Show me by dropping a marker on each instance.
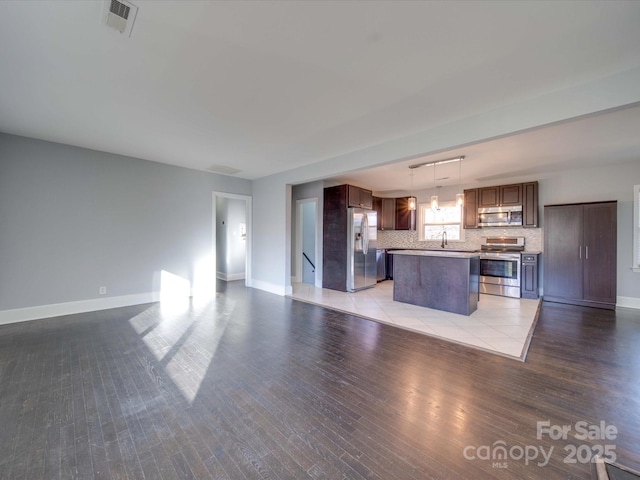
(438, 162)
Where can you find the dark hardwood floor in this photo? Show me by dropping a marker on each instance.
(253, 385)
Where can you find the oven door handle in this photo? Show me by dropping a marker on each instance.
(500, 256)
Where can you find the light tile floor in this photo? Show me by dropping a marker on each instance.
(500, 325)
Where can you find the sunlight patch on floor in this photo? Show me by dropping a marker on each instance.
(176, 339)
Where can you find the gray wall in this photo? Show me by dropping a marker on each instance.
(72, 220)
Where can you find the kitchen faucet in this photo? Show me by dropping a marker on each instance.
(444, 239)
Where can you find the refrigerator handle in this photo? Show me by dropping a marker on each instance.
(364, 230)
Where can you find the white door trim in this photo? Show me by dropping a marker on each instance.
(298, 254)
(248, 209)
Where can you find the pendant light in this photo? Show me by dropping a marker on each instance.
(460, 196)
(434, 197)
(412, 200)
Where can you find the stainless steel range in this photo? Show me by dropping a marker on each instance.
(500, 265)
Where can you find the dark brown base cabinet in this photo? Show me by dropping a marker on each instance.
(580, 254)
(529, 276)
(446, 283)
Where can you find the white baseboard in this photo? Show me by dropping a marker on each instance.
(628, 302)
(271, 287)
(104, 303)
(229, 277)
(70, 308)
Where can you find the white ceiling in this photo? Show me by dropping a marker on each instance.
(268, 86)
(612, 137)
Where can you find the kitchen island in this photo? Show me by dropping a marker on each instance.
(440, 280)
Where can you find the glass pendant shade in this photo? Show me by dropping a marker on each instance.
(413, 204)
(460, 196)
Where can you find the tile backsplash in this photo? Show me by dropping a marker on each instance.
(472, 238)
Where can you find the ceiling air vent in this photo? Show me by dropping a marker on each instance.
(225, 170)
(119, 15)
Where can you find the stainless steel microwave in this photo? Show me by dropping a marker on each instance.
(510, 216)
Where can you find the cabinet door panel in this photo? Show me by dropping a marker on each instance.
(530, 204)
(562, 257)
(353, 196)
(600, 252)
(359, 197)
(488, 197)
(377, 206)
(470, 210)
(388, 214)
(405, 218)
(366, 198)
(511, 195)
(529, 280)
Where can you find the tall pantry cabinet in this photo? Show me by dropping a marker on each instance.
(580, 254)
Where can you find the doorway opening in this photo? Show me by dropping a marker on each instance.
(306, 241)
(232, 237)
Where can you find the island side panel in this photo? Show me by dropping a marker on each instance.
(474, 282)
(441, 283)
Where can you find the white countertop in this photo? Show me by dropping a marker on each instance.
(435, 253)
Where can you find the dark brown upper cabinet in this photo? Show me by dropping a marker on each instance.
(530, 205)
(470, 210)
(405, 218)
(501, 195)
(525, 194)
(360, 197)
(386, 208)
(377, 206)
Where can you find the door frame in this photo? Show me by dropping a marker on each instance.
(247, 205)
(298, 277)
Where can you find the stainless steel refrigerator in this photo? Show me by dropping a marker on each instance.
(362, 234)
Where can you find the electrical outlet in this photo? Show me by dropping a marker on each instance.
(102, 291)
